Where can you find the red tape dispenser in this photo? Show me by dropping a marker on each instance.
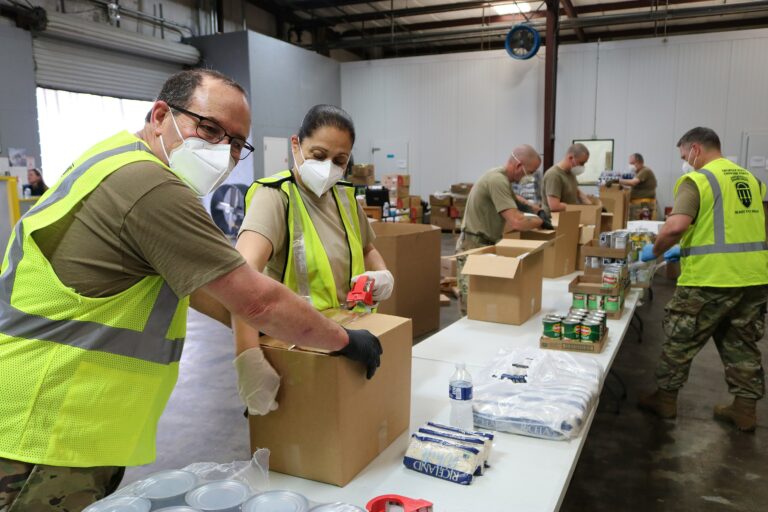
(360, 297)
(382, 504)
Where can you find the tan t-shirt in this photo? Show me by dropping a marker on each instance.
(491, 195)
(140, 221)
(687, 199)
(267, 216)
(646, 189)
(559, 184)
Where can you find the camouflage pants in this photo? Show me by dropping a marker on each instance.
(38, 488)
(465, 243)
(733, 317)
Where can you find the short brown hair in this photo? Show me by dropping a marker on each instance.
(700, 135)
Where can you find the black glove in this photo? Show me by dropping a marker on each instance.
(546, 220)
(365, 348)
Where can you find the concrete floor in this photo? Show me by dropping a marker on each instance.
(630, 462)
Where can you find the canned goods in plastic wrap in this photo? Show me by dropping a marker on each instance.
(219, 496)
(121, 504)
(277, 501)
(553, 326)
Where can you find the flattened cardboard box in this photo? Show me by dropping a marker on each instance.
(560, 256)
(505, 281)
(332, 421)
(412, 254)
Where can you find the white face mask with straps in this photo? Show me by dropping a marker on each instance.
(200, 164)
(319, 176)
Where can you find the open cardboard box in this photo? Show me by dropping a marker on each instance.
(332, 421)
(560, 256)
(505, 281)
(590, 213)
(615, 199)
(412, 254)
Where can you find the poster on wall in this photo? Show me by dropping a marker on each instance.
(18, 157)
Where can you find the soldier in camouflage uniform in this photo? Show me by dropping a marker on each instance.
(38, 488)
(723, 289)
(491, 205)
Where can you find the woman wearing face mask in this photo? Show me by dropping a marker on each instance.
(559, 186)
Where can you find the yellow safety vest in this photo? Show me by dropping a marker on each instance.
(83, 381)
(307, 270)
(726, 246)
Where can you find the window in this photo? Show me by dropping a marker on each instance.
(70, 123)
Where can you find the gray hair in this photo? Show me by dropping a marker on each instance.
(578, 150)
(700, 135)
(180, 87)
(638, 157)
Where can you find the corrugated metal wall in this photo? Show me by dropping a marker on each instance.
(464, 113)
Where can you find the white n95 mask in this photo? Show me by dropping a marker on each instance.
(576, 170)
(687, 167)
(319, 176)
(200, 164)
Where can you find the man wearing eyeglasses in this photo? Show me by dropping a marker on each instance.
(94, 292)
(492, 205)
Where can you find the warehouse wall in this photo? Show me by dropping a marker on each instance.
(18, 107)
(463, 113)
(650, 92)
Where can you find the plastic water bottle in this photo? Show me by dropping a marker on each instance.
(460, 393)
(385, 210)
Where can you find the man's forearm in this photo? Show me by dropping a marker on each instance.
(665, 240)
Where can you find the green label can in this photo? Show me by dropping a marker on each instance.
(612, 303)
(571, 329)
(590, 331)
(553, 326)
(579, 301)
(594, 302)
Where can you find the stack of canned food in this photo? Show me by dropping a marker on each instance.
(578, 325)
(596, 302)
(615, 239)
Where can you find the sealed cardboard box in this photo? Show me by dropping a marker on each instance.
(417, 214)
(362, 170)
(372, 212)
(331, 421)
(362, 180)
(412, 254)
(448, 266)
(444, 223)
(461, 188)
(590, 213)
(505, 281)
(415, 201)
(459, 200)
(560, 256)
(393, 181)
(440, 200)
(441, 211)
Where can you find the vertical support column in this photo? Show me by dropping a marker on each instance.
(550, 80)
(220, 16)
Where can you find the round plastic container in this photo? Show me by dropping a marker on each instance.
(167, 488)
(121, 504)
(277, 501)
(336, 507)
(220, 496)
(182, 508)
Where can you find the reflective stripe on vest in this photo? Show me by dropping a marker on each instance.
(720, 246)
(87, 335)
(301, 264)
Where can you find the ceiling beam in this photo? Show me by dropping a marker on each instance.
(435, 25)
(306, 5)
(571, 12)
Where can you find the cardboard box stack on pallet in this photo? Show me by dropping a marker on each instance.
(440, 203)
(459, 193)
(363, 175)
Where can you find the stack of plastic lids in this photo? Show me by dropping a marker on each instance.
(449, 453)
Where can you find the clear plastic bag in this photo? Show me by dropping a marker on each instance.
(536, 393)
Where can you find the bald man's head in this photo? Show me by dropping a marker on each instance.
(523, 161)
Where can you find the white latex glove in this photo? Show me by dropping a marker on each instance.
(383, 283)
(257, 381)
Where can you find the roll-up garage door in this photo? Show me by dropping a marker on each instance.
(76, 55)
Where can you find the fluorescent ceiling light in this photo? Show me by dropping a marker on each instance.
(513, 8)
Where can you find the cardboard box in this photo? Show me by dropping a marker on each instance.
(332, 421)
(587, 233)
(417, 214)
(505, 281)
(362, 180)
(461, 188)
(590, 213)
(441, 200)
(372, 212)
(607, 222)
(593, 285)
(574, 346)
(448, 266)
(615, 199)
(414, 201)
(560, 256)
(441, 211)
(459, 200)
(580, 262)
(593, 249)
(362, 170)
(444, 223)
(393, 181)
(412, 254)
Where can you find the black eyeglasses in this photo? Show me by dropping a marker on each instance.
(211, 131)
